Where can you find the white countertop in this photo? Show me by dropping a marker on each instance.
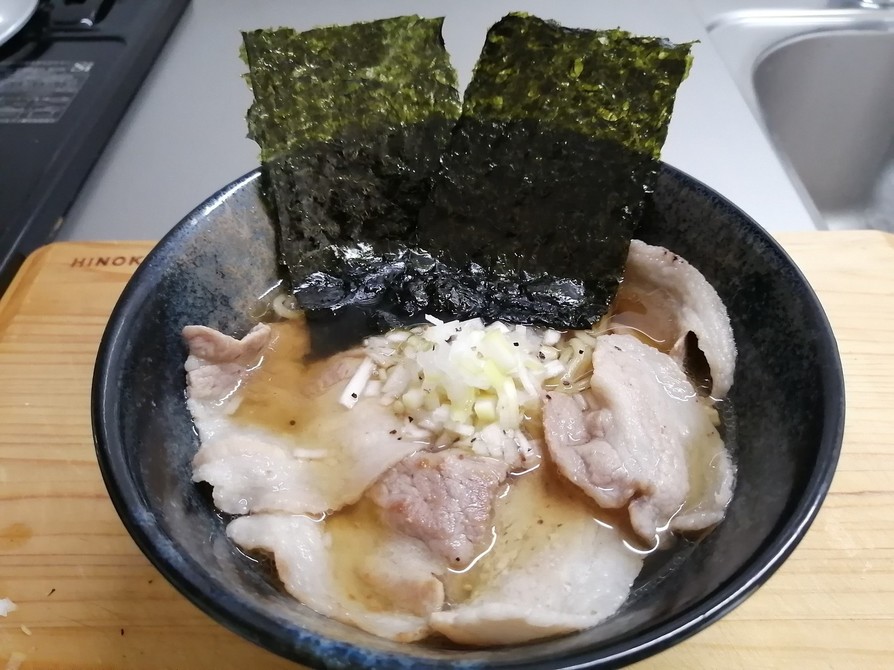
(183, 137)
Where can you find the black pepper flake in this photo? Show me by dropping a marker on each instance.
(549, 397)
(52, 591)
(122, 632)
(541, 355)
(400, 438)
(353, 395)
(457, 559)
(515, 344)
(410, 419)
(565, 382)
(539, 522)
(617, 348)
(393, 431)
(292, 422)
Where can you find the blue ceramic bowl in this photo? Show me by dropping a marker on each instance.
(788, 398)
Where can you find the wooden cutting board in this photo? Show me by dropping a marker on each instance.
(87, 598)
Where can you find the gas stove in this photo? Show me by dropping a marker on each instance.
(66, 79)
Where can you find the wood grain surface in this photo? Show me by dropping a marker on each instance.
(87, 598)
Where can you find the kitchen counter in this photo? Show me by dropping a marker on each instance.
(184, 135)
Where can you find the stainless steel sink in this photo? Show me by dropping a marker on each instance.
(822, 83)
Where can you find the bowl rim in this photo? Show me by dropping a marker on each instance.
(187, 576)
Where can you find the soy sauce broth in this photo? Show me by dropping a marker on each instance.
(531, 508)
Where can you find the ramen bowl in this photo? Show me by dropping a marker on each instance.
(788, 402)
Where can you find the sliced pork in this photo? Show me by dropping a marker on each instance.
(405, 573)
(335, 457)
(444, 498)
(711, 481)
(642, 432)
(218, 364)
(306, 564)
(553, 570)
(667, 298)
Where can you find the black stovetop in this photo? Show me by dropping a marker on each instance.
(65, 82)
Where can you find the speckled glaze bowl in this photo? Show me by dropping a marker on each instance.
(788, 397)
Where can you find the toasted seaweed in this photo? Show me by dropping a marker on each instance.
(351, 121)
(346, 81)
(548, 168)
(604, 84)
(522, 212)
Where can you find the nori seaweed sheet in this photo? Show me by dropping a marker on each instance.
(351, 121)
(549, 166)
(605, 84)
(363, 77)
(535, 202)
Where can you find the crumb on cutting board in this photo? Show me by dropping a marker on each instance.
(15, 661)
(7, 606)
